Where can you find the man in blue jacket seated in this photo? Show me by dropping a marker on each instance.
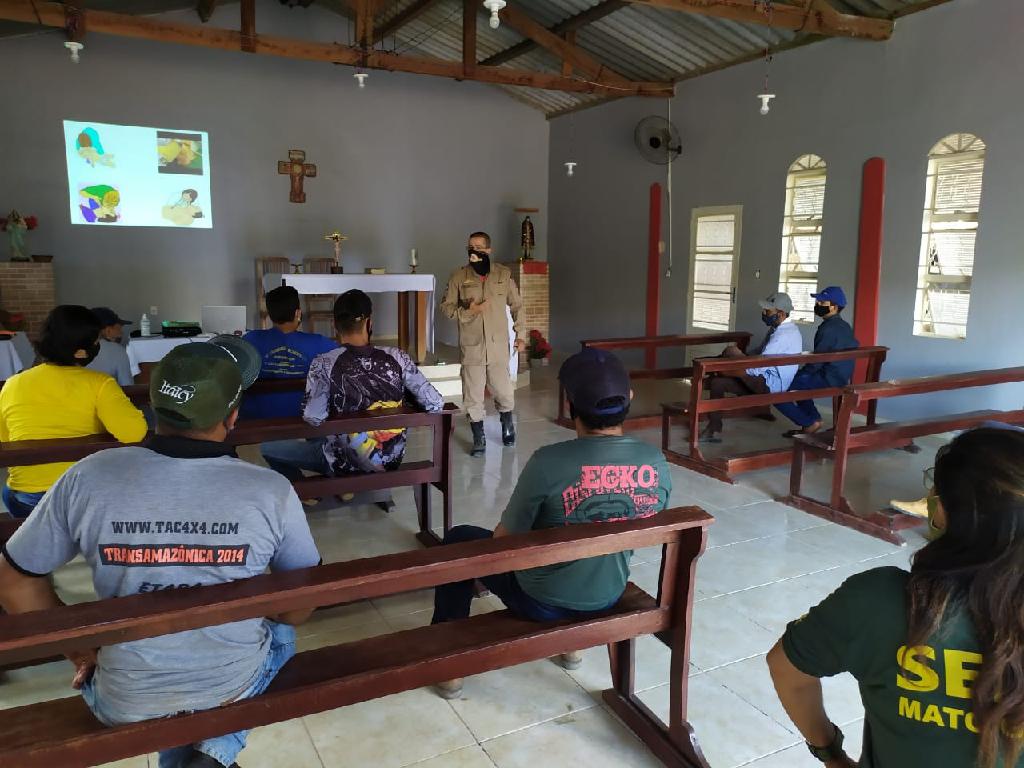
(286, 353)
(834, 335)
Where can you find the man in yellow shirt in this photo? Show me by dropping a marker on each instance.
(60, 397)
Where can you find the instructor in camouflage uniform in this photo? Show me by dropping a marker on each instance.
(476, 297)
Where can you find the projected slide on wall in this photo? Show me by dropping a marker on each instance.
(127, 176)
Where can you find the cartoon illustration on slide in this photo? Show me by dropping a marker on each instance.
(99, 203)
(184, 210)
(90, 149)
(180, 153)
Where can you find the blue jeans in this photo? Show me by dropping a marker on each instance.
(223, 749)
(803, 413)
(452, 601)
(20, 503)
(290, 457)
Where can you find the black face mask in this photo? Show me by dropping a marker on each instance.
(821, 310)
(771, 320)
(91, 354)
(483, 266)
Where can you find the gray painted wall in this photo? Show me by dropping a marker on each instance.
(408, 162)
(957, 67)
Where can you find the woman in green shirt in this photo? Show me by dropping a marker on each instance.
(938, 652)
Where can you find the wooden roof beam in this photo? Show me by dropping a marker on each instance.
(819, 18)
(570, 54)
(205, 9)
(51, 14)
(571, 24)
(469, 14)
(399, 20)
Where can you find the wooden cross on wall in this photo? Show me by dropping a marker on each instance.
(296, 167)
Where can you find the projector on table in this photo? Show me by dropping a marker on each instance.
(177, 329)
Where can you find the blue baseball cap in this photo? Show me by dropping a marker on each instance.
(833, 293)
(596, 382)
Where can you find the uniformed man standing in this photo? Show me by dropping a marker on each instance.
(476, 297)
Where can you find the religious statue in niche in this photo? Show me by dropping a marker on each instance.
(528, 240)
(296, 167)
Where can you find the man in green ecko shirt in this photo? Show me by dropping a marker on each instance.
(601, 476)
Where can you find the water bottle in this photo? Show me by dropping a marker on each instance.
(144, 325)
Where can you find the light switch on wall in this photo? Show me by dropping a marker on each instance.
(757, 274)
(153, 310)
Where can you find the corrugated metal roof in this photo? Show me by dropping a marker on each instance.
(640, 42)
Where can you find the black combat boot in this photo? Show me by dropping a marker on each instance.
(508, 429)
(479, 441)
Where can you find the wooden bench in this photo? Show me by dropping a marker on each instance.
(724, 468)
(139, 393)
(63, 732)
(651, 345)
(845, 439)
(436, 471)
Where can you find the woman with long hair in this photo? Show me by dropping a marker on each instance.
(938, 652)
(60, 397)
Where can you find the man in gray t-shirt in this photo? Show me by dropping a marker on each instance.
(113, 357)
(181, 510)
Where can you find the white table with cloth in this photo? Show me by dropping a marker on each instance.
(150, 350)
(420, 332)
(10, 361)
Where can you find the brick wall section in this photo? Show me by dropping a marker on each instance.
(532, 279)
(27, 288)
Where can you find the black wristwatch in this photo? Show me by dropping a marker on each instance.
(831, 751)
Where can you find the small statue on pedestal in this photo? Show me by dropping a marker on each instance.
(528, 240)
(336, 237)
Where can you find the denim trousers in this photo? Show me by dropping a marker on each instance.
(290, 457)
(223, 749)
(20, 503)
(803, 413)
(453, 601)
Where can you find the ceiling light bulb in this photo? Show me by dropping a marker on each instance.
(74, 48)
(765, 101)
(569, 167)
(494, 6)
(361, 77)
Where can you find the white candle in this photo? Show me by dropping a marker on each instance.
(414, 262)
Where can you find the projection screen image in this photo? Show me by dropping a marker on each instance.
(127, 176)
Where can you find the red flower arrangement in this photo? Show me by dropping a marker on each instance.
(538, 347)
(31, 222)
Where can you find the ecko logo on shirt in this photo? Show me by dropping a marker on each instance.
(181, 394)
(637, 484)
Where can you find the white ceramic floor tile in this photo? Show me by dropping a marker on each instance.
(280, 744)
(752, 682)
(134, 762)
(388, 733)
(511, 699)
(720, 635)
(591, 738)
(730, 731)
(762, 561)
(845, 545)
(467, 757)
(652, 662)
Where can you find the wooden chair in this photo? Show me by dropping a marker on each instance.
(421, 475)
(318, 309)
(724, 468)
(63, 732)
(844, 439)
(651, 345)
(267, 265)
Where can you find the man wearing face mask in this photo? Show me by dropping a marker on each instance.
(476, 297)
(833, 335)
(783, 338)
(60, 397)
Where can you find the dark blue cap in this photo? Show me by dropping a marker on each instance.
(833, 293)
(596, 382)
(108, 317)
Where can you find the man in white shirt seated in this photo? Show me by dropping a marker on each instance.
(113, 357)
(783, 339)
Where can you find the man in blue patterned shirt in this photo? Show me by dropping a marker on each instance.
(355, 377)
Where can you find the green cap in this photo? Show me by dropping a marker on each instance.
(198, 384)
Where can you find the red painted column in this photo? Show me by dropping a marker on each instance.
(869, 259)
(653, 272)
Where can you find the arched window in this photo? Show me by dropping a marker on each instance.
(801, 234)
(952, 205)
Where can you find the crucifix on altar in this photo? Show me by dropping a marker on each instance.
(296, 167)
